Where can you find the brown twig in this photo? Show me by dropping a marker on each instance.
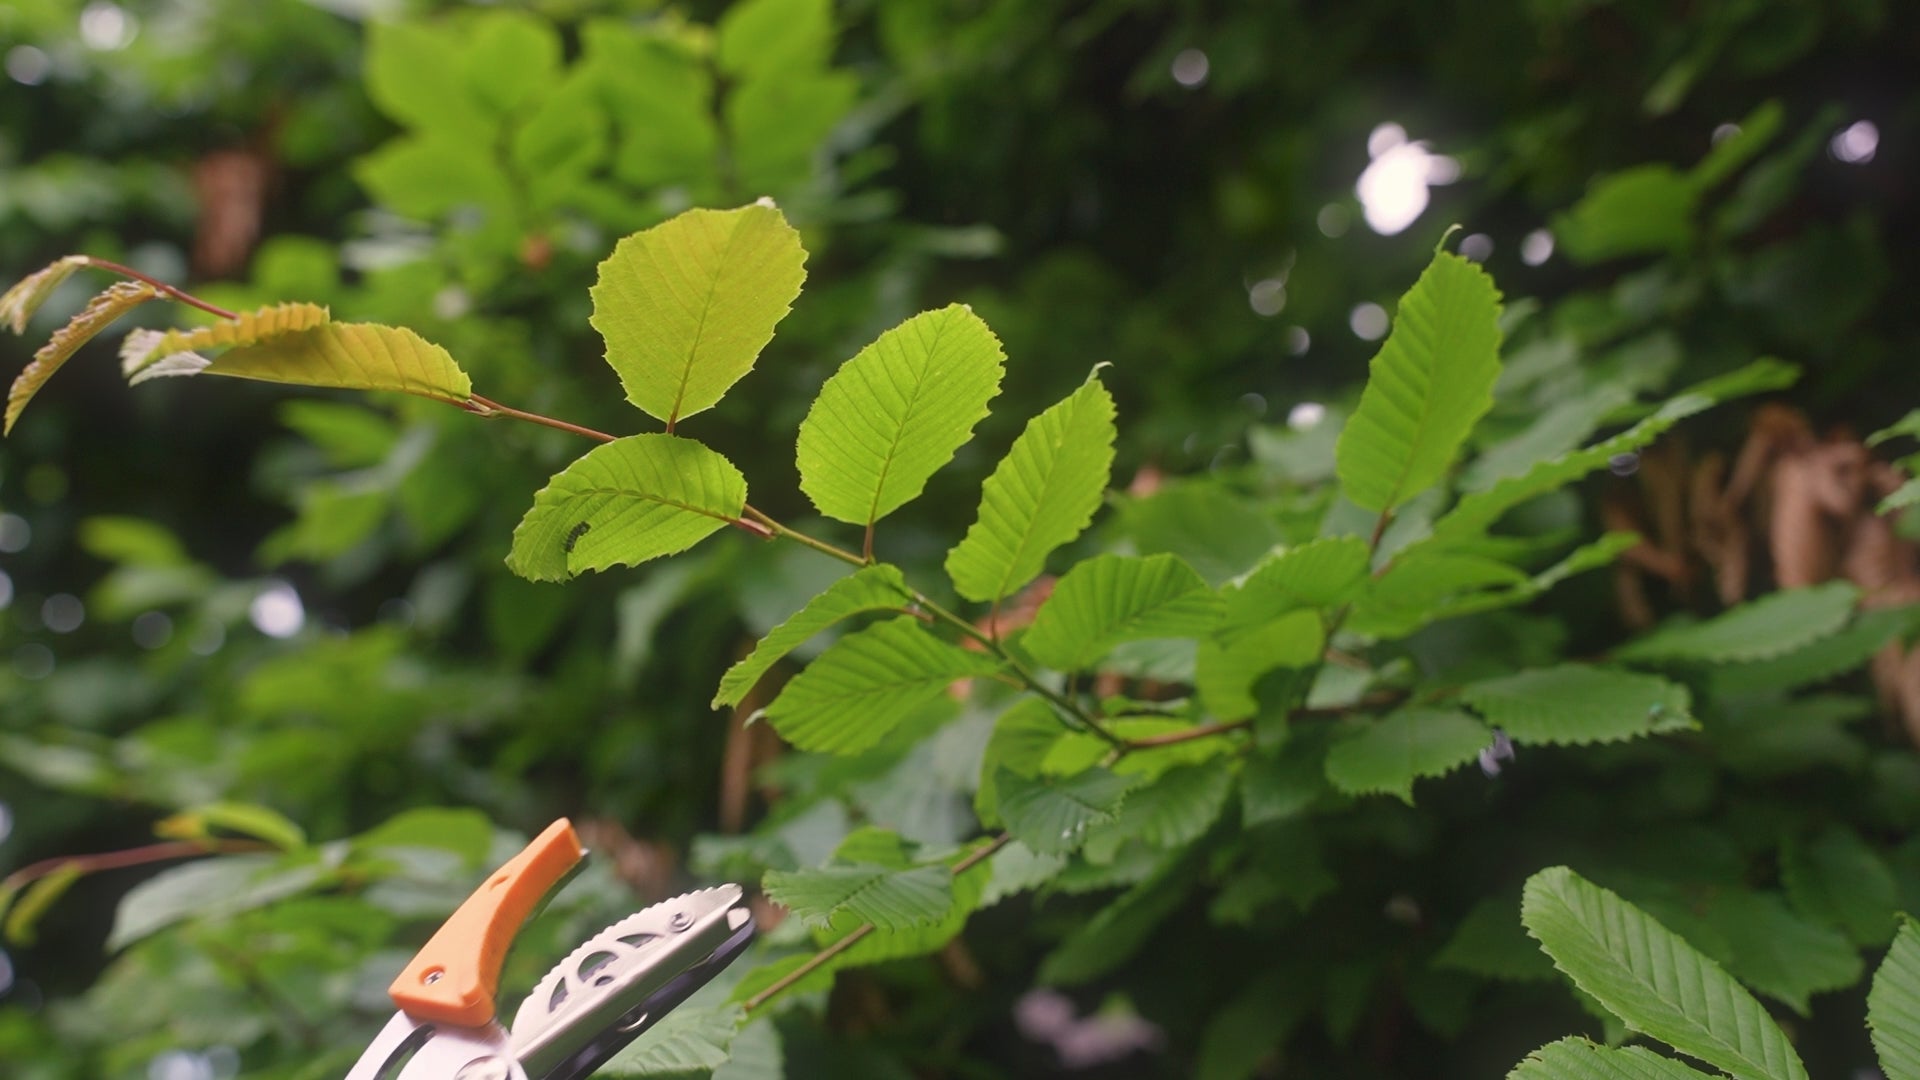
(140, 856)
(480, 406)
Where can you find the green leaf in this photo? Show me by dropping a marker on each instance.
(760, 37)
(1652, 979)
(1778, 953)
(414, 73)
(100, 312)
(1491, 943)
(148, 352)
(24, 913)
(1389, 754)
(684, 1041)
(1893, 1006)
(1648, 208)
(1574, 705)
(247, 819)
(1122, 928)
(1018, 868)
(1771, 626)
(349, 356)
(1479, 511)
(686, 306)
(1217, 531)
(19, 303)
(1226, 669)
(1838, 879)
(1430, 383)
(889, 899)
(1251, 1026)
(209, 889)
(623, 503)
(1170, 811)
(1053, 816)
(1274, 787)
(1022, 737)
(1423, 586)
(510, 56)
(1041, 495)
(872, 588)
(866, 683)
(1907, 494)
(467, 833)
(895, 414)
(1109, 599)
(1578, 1059)
(1908, 425)
(131, 541)
(1321, 574)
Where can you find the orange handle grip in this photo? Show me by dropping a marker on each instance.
(453, 978)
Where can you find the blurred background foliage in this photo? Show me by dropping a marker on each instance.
(236, 593)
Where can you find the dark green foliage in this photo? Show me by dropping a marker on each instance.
(1191, 665)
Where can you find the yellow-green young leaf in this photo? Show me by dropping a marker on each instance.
(889, 899)
(686, 306)
(873, 588)
(1040, 496)
(1573, 705)
(248, 819)
(117, 300)
(894, 414)
(1388, 755)
(1773, 625)
(623, 503)
(850, 696)
(23, 916)
(1109, 599)
(1578, 1059)
(1893, 1006)
(18, 304)
(1227, 667)
(1430, 383)
(143, 350)
(1651, 978)
(346, 356)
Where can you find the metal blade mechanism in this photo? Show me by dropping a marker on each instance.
(626, 977)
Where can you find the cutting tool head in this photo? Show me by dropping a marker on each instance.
(622, 980)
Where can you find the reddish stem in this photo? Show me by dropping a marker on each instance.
(178, 294)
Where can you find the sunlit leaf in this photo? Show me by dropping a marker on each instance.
(894, 414)
(1109, 599)
(18, 303)
(850, 696)
(623, 503)
(248, 819)
(1389, 754)
(1041, 495)
(345, 356)
(872, 588)
(686, 306)
(102, 310)
(1651, 978)
(145, 348)
(1430, 383)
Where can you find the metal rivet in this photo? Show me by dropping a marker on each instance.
(680, 921)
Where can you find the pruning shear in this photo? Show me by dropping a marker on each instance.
(616, 985)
